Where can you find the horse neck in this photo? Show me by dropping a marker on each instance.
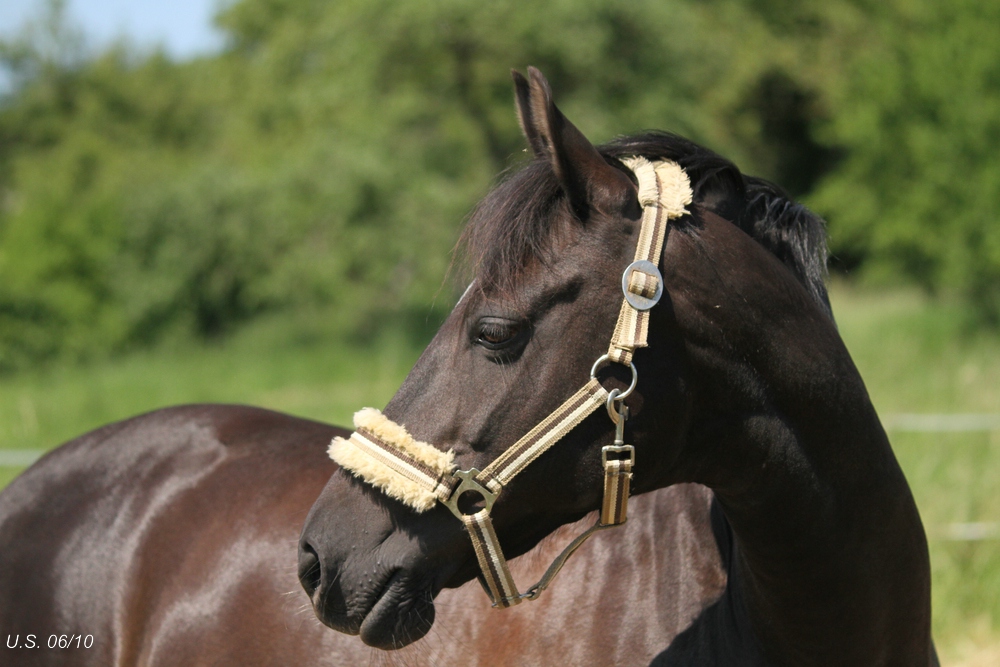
(830, 554)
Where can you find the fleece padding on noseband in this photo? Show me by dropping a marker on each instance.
(419, 478)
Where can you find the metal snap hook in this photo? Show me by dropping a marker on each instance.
(635, 375)
(618, 414)
(610, 405)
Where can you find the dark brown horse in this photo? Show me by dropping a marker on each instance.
(746, 388)
(170, 538)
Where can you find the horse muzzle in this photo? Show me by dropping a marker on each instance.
(380, 584)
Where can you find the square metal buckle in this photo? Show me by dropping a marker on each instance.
(617, 449)
(469, 483)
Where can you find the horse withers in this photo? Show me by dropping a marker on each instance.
(745, 387)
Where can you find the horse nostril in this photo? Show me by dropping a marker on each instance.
(310, 568)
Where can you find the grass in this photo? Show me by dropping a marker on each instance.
(7, 473)
(271, 364)
(916, 355)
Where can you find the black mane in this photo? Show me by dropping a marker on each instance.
(510, 227)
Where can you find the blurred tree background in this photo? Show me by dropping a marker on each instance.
(327, 157)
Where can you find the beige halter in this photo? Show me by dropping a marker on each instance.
(418, 474)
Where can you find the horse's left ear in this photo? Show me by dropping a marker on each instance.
(588, 180)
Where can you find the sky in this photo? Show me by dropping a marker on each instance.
(182, 27)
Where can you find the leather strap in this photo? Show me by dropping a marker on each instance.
(548, 432)
(497, 580)
(664, 192)
(499, 583)
(617, 483)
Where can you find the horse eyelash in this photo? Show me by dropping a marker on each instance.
(498, 332)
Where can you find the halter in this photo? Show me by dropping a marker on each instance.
(420, 475)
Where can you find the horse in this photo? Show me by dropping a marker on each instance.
(744, 387)
(170, 538)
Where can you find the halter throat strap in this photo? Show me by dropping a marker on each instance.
(420, 475)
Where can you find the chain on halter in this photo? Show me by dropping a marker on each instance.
(420, 475)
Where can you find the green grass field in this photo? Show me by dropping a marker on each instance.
(917, 356)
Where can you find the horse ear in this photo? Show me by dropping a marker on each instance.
(522, 90)
(588, 180)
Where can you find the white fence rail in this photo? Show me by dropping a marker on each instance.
(19, 458)
(953, 423)
(973, 531)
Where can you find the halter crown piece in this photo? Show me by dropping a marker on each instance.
(420, 475)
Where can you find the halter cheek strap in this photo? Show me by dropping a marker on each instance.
(420, 475)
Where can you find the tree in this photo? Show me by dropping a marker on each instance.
(329, 155)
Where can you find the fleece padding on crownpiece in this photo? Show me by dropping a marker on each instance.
(662, 183)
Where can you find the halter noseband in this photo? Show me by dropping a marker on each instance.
(418, 474)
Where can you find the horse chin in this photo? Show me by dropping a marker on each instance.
(401, 616)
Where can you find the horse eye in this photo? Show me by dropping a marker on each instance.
(494, 334)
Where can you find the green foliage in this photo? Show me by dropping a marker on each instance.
(917, 113)
(329, 155)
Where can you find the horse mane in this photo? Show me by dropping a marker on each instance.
(511, 226)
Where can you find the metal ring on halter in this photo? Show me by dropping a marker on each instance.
(635, 375)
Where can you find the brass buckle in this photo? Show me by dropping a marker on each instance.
(469, 483)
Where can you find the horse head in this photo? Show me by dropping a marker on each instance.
(548, 247)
